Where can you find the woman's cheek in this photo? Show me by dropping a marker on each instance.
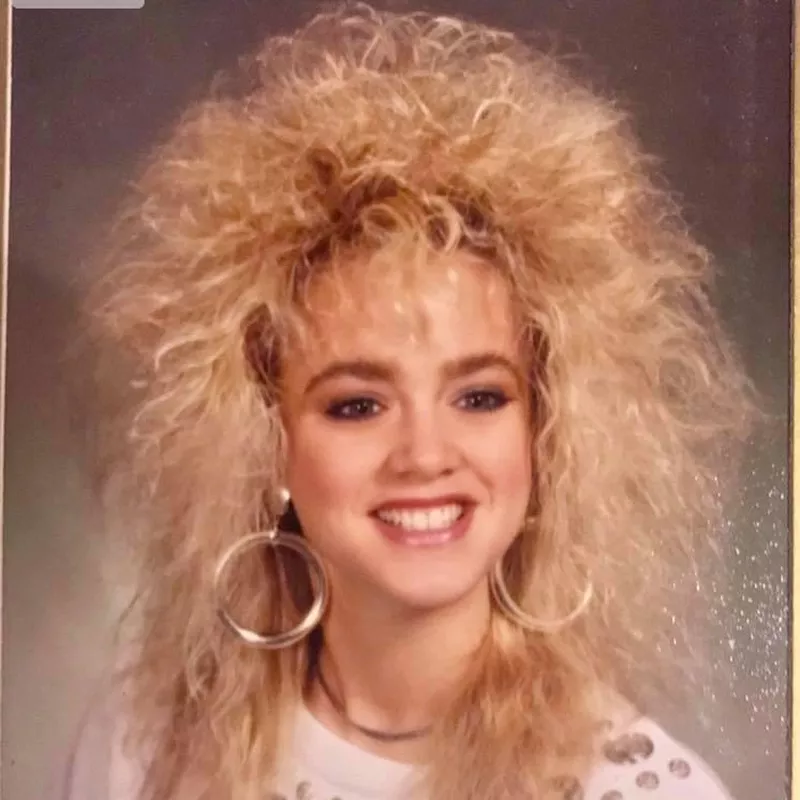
(329, 470)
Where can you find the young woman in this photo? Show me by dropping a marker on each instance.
(425, 422)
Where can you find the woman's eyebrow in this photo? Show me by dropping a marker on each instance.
(356, 368)
(466, 365)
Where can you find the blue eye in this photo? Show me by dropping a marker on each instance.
(483, 400)
(355, 408)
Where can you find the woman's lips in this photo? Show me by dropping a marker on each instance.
(433, 537)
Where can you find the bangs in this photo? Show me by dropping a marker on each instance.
(383, 239)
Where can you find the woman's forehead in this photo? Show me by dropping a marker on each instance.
(441, 300)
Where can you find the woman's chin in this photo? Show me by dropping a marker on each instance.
(430, 593)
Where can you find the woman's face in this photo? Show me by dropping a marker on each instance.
(408, 431)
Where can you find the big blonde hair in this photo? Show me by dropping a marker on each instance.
(360, 128)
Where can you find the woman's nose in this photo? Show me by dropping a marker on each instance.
(425, 446)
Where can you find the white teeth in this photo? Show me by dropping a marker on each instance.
(417, 520)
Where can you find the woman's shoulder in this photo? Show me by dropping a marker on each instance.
(639, 759)
(97, 766)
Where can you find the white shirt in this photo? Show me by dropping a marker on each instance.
(639, 762)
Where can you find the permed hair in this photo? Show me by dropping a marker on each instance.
(362, 129)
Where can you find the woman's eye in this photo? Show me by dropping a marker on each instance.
(483, 400)
(353, 409)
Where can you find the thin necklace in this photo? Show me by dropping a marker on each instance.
(371, 733)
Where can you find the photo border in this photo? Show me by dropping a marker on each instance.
(794, 407)
(5, 169)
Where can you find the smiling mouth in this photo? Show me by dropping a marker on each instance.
(423, 520)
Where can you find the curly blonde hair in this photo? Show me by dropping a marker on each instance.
(361, 127)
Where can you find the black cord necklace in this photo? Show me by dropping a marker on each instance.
(371, 733)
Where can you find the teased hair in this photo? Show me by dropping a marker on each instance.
(361, 129)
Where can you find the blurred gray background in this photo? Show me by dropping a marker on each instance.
(709, 85)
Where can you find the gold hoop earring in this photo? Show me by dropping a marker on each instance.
(275, 538)
(515, 613)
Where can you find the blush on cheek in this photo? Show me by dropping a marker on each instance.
(326, 481)
(519, 488)
(517, 493)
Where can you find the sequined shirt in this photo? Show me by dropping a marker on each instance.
(638, 761)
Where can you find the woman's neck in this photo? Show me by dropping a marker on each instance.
(393, 671)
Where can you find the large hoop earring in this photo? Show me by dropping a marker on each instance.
(275, 538)
(515, 613)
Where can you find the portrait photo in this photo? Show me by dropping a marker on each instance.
(398, 401)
